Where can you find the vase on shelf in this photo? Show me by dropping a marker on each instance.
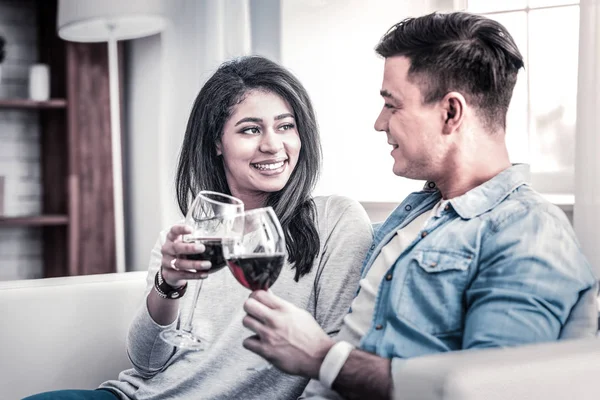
(39, 82)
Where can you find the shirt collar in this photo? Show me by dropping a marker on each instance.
(489, 194)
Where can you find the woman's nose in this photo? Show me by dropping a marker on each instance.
(271, 142)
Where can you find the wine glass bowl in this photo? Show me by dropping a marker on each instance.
(255, 257)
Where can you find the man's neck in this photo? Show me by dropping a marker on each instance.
(463, 177)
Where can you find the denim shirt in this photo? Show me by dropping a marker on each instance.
(497, 266)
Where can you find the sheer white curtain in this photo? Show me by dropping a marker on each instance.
(201, 36)
(587, 144)
(164, 75)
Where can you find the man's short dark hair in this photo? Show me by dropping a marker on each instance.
(461, 52)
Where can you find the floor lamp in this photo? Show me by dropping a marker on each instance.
(110, 21)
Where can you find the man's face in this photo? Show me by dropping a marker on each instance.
(413, 129)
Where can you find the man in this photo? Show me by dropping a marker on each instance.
(477, 259)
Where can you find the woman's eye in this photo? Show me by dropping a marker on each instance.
(287, 127)
(251, 130)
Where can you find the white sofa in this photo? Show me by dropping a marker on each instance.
(60, 333)
(65, 333)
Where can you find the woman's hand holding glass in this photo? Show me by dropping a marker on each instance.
(176, 269)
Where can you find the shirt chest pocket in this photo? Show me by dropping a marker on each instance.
(432, 294)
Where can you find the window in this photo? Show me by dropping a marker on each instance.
(542, 114)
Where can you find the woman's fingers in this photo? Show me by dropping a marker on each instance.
(180, 248)
(181, 260)
(181, 264)
(177, 277)
(176, 231)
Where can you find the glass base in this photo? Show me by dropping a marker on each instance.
(182, 340)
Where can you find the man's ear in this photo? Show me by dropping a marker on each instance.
(454, 105)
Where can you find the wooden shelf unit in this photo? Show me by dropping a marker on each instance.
(32, 104)
(77, 212)
(35, 220)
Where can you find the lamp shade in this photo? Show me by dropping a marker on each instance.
(96, 21)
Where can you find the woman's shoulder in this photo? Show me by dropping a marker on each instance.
(335, 203)
(335, 210)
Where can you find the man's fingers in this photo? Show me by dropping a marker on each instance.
(176, 231)
(254, 344)
(255, 326)
(257, 310)
(268, 299)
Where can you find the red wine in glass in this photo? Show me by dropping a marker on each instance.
(257, 271)
(213, 252)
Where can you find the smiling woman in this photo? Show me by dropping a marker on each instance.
(252, 133)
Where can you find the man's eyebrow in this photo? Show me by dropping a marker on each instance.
(385, 93)
(249, 119)
(282, 116)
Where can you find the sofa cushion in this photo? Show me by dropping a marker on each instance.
(65, 333)
(550, 371)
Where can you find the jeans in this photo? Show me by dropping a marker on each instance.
(99, 394)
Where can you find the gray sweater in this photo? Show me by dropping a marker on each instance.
(220, 371)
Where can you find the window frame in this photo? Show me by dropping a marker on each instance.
(551, 183)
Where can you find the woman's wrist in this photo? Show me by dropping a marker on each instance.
(165, 290)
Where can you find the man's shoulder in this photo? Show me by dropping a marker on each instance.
(528, 209)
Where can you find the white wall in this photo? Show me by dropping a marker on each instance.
(329, 45)
(164, 75)
(265, 25)
(157, 116)
(142, 150)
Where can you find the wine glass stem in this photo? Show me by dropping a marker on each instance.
(188, 323)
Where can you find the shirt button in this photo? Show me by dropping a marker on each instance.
(388, 277)
(408, 207)
(423, 234)
(431, 185)
(372, 247)
(379, 327)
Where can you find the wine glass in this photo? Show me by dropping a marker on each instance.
(255, 258)
(214, 220)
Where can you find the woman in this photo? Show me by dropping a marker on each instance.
(252, 133)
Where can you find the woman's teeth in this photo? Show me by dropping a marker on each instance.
(267, 167)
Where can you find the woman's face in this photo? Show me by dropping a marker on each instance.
(260, 145)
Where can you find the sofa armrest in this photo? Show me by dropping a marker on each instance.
(65, 333)
(551, 371)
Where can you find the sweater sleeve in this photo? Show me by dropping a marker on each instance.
(345, 237)
(147, 352)
(348, 239)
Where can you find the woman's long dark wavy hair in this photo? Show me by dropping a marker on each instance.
(200, 168)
